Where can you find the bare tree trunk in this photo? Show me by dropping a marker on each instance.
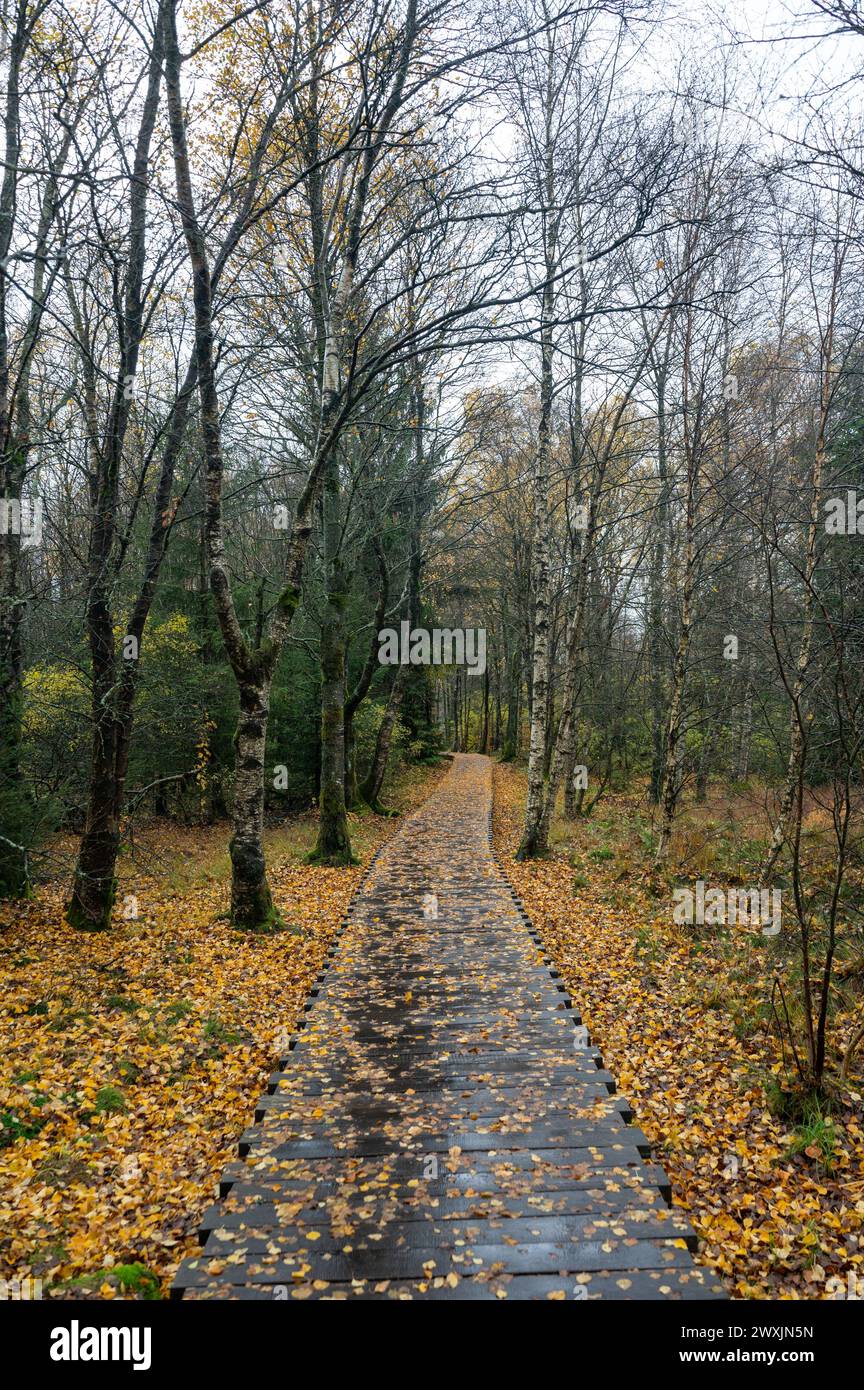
(333, 845)
(13, 863)
(797, 711)
(251, 903)
(364, 680)
(370, 788)
(656, 644)
(94, 885)
(253, 668)
(563, 758)
(706, 753)
(484, 731)
(572, 800)
(564, 753)
(514, 684)
(15, 443)
(745, 734)
(675, 726)
(532, 842)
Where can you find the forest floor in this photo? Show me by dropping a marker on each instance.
(130, 1061)
(684, 1022)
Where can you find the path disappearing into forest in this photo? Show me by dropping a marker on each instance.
(440, 1127)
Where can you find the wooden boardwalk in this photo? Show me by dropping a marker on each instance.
(440, 1127)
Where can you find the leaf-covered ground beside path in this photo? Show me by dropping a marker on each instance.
(779, 1209)
(130, 1060)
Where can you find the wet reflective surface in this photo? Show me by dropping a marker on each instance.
(441, 1126)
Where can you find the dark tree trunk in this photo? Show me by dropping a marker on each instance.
(484, 736)
(333, 845)
(511, 735)
(251, 902)
(94, 885)
(361, 689)
(352, 784)
(13, 858)
(370, 789)
(656, 637)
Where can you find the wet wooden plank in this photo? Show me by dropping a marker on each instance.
(441, 1125)
(653, 1284)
